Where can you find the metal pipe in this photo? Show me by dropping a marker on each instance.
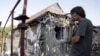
(12, 33)
(23, 30)
(0, 23)
(25, 7)
(11, 13)
(8, 18)
(22, 43)
(0, 34)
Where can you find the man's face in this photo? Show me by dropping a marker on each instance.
(75, 17)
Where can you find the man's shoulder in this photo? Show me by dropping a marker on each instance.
(89, 23)
(86, 20)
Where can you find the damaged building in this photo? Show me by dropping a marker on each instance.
(47, 34)
(49, 30)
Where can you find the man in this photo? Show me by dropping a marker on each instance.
(82, 35)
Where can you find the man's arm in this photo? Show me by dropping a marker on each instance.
(75, 39)
(81, 30)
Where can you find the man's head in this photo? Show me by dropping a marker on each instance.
(77, 13)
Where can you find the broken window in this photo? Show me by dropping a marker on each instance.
(59, 32)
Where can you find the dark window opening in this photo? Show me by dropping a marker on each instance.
(59, 32)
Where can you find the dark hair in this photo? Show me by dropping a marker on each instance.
(78, 10)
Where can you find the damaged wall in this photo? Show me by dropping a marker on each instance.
(51, 36)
